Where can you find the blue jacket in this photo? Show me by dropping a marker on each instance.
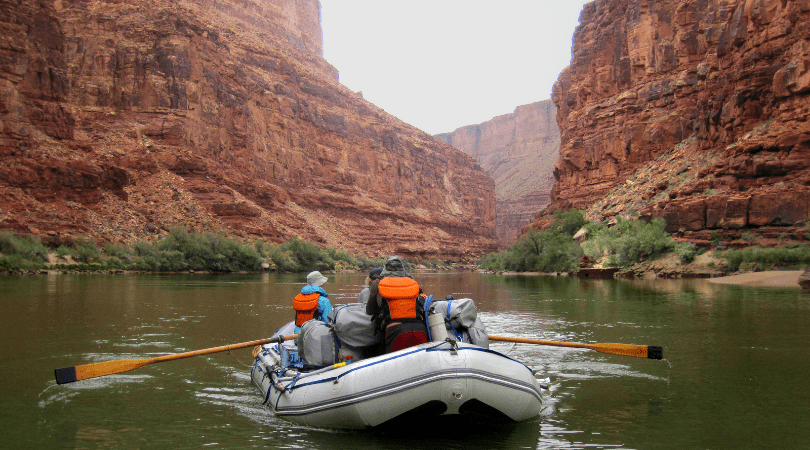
(324, 305)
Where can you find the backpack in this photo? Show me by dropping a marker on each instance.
(353, 326)
(316, 343)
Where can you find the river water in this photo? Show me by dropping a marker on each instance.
(735, 372)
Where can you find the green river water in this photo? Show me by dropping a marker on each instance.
(735, 373)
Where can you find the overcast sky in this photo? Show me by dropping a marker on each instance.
(443, 64)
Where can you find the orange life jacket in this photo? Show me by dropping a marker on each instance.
(401, 294)
(305, 306)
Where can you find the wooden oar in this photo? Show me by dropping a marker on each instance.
(85, 371)
(640, 351)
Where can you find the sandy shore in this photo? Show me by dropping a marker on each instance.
(784, 278)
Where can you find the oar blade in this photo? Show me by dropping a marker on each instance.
(85, 371)
(639, 351)
(65, 375)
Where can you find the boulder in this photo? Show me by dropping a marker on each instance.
(804, 280)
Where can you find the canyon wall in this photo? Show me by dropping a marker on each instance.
(120, 120)
(518, 151)
(691, 110)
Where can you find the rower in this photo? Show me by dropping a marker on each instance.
(396, 306)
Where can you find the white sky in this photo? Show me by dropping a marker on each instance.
(443, 64)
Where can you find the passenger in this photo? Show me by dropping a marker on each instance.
(362, 298)
(312, 302)
(396, 306)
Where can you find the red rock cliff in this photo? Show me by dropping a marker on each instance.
(122, 119)
(691, 110)
(518, 150)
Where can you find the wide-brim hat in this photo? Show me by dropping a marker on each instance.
(316, 279)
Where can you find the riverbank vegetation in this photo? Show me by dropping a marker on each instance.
(180, 251)
(757, 258)
(623, 245)
(626, 243)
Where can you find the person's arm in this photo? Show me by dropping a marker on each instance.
(371, 305)
(326, 307)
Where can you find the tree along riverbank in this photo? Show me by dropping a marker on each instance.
(628, 248)
(181, 251)
(637, 249)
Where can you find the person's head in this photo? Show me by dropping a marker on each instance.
(394, 266)
(316, 279)
(373, 275)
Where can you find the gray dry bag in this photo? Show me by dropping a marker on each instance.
(316, 343)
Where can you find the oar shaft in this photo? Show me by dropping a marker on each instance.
(223, 348)
(639, 351)
(100, 369)
(537, 341)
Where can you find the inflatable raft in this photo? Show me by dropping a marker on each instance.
(433, 379)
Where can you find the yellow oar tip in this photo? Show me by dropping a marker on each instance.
(65, 375)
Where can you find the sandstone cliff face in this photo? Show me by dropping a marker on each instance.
(518, 151)
(123, 119)
(691, 110)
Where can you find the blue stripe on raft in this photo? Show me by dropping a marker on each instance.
(294, 384)
(403, 385)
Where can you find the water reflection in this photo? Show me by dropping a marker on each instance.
(730, 353)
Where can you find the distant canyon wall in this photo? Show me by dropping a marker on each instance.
(518, 151)
(120, 120)
(700, 107)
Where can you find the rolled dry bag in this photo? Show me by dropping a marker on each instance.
(462, 311)
(353, 326)
(462, 319)
(316, 343)
(478, 334)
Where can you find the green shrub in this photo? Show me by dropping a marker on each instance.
(639, 239)
(368, 264)
(63, 251)
(19, 262)
(628, 242)
(25, 247)
(766, 257)
(85, 251)
(490, 261)
(282, 260)
(538, 251)
(686, 252)
(181, 250)
(342, 256)
(301, 256)
(117, 251)
(569, 222)
(264, 248)
(601, 240)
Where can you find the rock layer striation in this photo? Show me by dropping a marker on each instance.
(120, 120)
(518, 151)
(691, 110)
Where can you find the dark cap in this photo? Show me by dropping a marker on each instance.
(393, 266)
(375, 273)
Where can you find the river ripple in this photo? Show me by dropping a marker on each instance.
(734, 374)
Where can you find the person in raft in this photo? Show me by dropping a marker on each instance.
(312, 302)
(396, 307)
(362, 298)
